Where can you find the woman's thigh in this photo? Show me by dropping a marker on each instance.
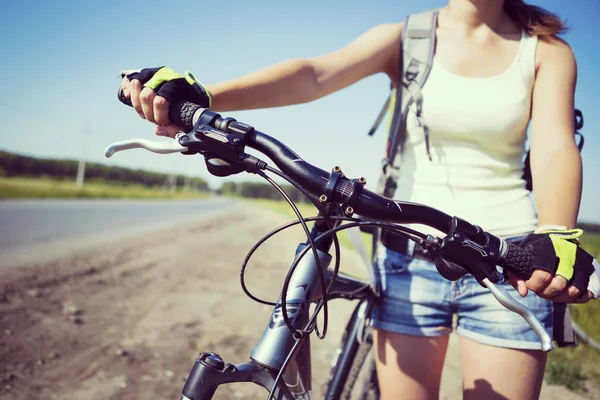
(412, 321)
(501, 356)
(491, 372)
(409, 367)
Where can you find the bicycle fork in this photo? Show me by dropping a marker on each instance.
(276, 345)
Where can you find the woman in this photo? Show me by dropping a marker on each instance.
(483, 47)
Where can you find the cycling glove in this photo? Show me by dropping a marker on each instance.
(558, 252)
(172, 86)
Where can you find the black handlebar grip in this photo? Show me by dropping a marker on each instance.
(123, 99)
(182, 113)
(518, 261)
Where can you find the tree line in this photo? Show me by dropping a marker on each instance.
(260, 190)
(589, 227)
(17, 165)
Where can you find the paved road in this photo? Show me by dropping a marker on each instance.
(40, 230)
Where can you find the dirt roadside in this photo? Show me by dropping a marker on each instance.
(125, 321)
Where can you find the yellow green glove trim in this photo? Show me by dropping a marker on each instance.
(163, 75)
(191, 79)
(565, 251)
(570, 234)
(565, 243)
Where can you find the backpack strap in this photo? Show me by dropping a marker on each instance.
(578, 126)
(382, 113)
(416, 59)
(418, 51)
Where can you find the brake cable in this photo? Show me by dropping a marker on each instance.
(407, 232)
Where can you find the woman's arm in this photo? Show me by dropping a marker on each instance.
(303, 80)
(556, 166)
(555, 159)
(289, 82)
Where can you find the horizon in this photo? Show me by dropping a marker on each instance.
(222, 182)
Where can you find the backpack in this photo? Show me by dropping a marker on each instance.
(416, 59)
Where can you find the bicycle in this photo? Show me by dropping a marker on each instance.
(280, 362)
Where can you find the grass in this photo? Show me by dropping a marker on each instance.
(564, 373)
(51, 188)
(591, 243)
(572, 367)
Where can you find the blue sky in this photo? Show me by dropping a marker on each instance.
(61, 61)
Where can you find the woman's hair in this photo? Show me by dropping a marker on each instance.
(535, 20)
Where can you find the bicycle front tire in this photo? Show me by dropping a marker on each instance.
(362, 367)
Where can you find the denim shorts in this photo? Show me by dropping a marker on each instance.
(417, 300)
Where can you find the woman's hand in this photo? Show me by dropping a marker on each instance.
(150, 91)
(564, 271)
(551, 287)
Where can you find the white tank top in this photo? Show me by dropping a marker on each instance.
(477, 130)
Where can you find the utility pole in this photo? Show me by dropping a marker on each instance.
(81, 166)
(170, 184)
(173, 183)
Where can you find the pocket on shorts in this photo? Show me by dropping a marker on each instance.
(390, 262)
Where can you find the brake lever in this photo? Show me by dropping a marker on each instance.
(504, 298)
(155, 147)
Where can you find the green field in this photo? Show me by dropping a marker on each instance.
(53, 188)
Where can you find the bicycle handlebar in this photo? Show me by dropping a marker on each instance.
(314, 179)
(365, 203)
(222, 141)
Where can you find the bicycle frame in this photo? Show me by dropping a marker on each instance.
(278, 342)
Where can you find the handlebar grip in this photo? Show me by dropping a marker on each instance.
(123, 99)
(180, 113)
(518, 260)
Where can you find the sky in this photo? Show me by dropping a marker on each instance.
(61, 60)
